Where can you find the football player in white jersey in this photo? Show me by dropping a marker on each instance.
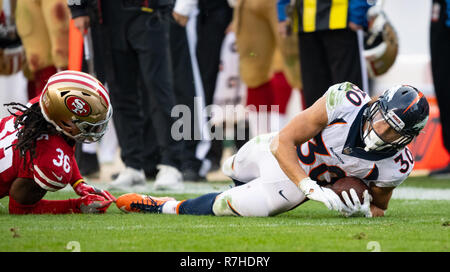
(345, 133)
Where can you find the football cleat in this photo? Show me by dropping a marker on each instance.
(133, 202)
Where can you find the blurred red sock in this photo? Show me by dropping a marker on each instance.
(261, 95)
(40, 79)
(281, 91)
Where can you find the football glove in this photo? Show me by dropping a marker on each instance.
(355, 208)
(93, 204)
(82, 189)
(318, 193)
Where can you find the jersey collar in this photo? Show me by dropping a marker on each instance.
(354, 145)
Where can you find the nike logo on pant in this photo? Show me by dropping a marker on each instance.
(281, 194)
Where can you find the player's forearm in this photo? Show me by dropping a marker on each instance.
(381, 196)
(376, 212)
(45, 207)
(299, 130)
(286, 155)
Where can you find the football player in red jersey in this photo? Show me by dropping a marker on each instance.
(37, 146)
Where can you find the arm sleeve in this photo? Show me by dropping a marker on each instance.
(357, 12)
(76, 175)
(334, 100)
(185, 7)
(395, 170)
(343, 99)
(389, 183)
(48, 178)
(232, 3)
(281, 8)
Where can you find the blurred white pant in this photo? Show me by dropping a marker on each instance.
(267, 190)
(13, 88)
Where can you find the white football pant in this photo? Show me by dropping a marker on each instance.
(267, 190)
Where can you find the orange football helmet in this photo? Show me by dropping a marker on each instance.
(77, 104)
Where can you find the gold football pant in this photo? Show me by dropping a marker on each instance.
(258, 41)
(43, 26)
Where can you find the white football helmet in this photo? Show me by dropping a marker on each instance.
(380, 43)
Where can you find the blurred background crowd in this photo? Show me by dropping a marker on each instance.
(269, 59)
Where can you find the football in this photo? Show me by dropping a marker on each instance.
(346, 183)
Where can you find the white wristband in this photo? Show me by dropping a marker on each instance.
(305, 185)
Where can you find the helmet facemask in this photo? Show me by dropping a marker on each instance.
(91, 132)
(383, 131)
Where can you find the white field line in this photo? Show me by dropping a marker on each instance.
(421, 193)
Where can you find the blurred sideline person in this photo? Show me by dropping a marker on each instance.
(211, 23)
(88, 19)
(440, 57)
(12, 54)
(345, 133)
(37, 142)
(12, 58)
(269, 62)
(330, 43)
(185, 82)
(231, 94)
(43, 26)
(142, 92)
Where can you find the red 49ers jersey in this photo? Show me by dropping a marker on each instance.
(52, 169)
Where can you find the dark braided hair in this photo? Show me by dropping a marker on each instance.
(31, 124)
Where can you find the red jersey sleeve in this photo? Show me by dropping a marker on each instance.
(76, 175)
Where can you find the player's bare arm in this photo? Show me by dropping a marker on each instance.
(300, 129)
(26, 191)
(380, 199)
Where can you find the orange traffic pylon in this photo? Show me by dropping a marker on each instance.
(75, 48)
(428, 148)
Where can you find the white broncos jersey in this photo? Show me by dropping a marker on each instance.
(338, 150)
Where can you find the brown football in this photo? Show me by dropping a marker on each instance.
(346, 183)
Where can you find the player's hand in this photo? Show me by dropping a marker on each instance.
(82, 23)
(83, 189)
(282, 29)
(318, 193)
(180, 19)
(355, 208)
(94, 204)
(354, 27)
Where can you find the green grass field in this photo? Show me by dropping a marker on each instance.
(409, 225)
